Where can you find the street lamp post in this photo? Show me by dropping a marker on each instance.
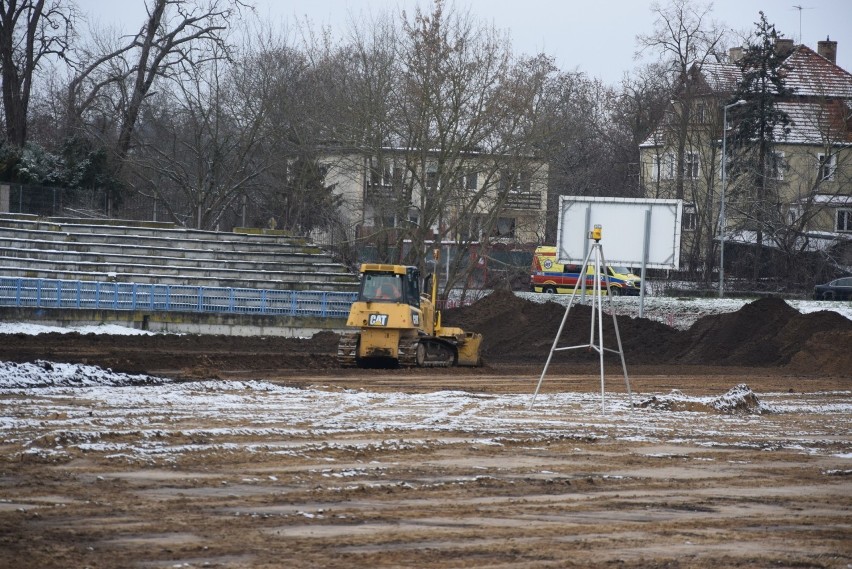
(722, 222)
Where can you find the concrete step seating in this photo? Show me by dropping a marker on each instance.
(158, 253)
(63, 251)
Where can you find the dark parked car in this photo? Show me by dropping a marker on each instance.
(838, 289)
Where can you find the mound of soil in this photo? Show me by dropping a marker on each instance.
(825, 353)
(766, 332)
(515, 329)
(750, 336)
(740, 400)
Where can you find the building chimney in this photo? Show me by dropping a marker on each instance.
(828, 49)
(735, 54)
(783, 46)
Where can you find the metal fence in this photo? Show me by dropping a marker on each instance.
(32, 199)
(50, 293)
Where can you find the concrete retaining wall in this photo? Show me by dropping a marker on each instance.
(177, 322)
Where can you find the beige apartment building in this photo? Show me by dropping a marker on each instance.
(467, 198)
(810, 177)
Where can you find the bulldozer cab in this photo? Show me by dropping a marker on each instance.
(390, 283)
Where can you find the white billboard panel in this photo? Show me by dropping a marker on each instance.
(628, 225)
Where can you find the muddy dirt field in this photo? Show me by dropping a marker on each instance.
(733, 449)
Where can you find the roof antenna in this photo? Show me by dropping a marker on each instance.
(800, 8)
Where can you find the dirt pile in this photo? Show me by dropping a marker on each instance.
(766, 332)
(740, 400)
(827, 352)
(517, 329)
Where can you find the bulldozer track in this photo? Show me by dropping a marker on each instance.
(347, 349)
(408, 352)
(437, 349)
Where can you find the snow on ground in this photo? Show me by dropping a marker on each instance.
(56, 410)
(682, 312)
(103, 328)
(50, 374)
(142, 419)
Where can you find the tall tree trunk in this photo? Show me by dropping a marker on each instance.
(142, 82)
(17, 68)
(761, 204)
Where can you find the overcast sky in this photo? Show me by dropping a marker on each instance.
(597, 37)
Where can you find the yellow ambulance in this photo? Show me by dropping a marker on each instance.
(546, 275)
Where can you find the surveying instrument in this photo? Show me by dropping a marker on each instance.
(594, 258)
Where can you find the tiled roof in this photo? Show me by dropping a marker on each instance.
(816, 122)
(811, 122)
(809, 75)
(812, 75)
(657, 137)
(721, 77)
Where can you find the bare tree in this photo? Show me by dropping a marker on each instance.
(684, 36)
(30, 32)
(687, 40)
(463, 107)
(639, 106)
(199, 146)
(304, 93)
(591, 134)
(175, 32)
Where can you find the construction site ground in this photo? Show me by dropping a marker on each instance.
(733, 448)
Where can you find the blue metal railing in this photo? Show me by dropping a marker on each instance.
(50, 293)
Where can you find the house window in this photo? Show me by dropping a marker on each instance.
(467, 181)
(793, 215)
(701, 113)
(663, 167)
(505, 227)
(398, 176)
(690, 219)
(777, 165)
(515, 181)
(827, 166)
(432, 179)
(844, 220)
(380, 174)
(471, 181)
(525, 180)
(690, 165)
(471, 227)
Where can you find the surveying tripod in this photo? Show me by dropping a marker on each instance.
(595, 257)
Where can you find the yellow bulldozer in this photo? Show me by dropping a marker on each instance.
(398, 326)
